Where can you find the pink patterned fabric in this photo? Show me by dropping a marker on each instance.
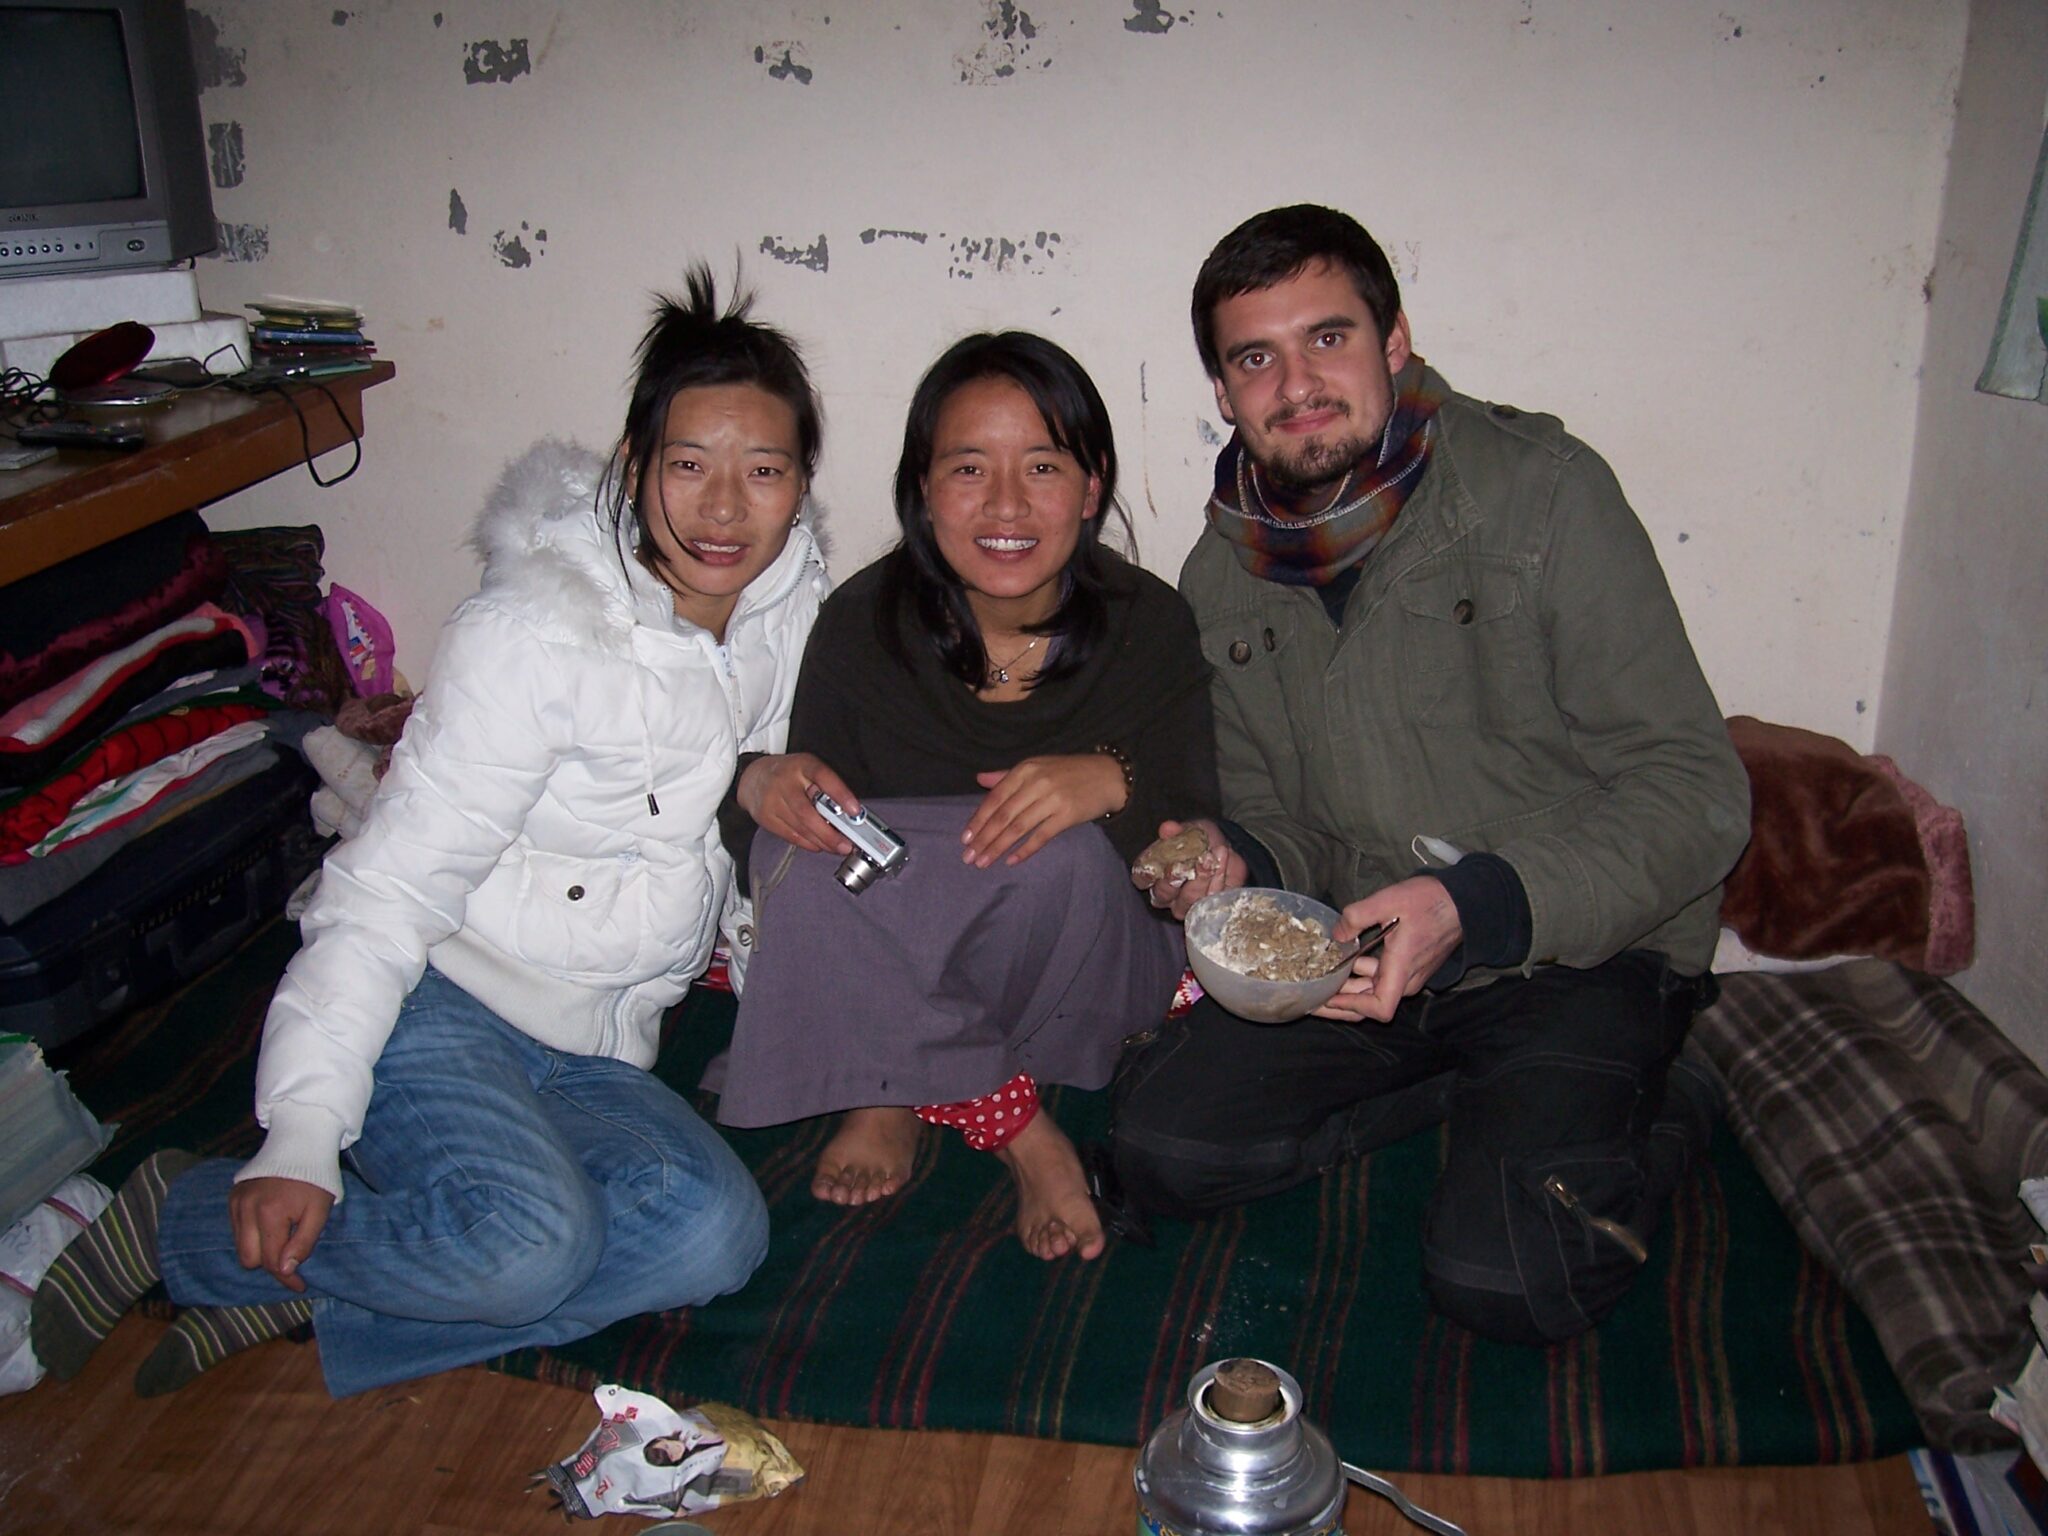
(1952, 903)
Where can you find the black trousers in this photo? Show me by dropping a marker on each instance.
(1555, 1089)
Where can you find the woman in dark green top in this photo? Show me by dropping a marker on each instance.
(1024, 707)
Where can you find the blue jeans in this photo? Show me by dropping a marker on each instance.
(502, 1195)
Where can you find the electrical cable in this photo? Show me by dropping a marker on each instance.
(21, 399)
(306, 430)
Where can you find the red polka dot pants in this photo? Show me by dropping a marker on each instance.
(995, 1118)
(991, 1120)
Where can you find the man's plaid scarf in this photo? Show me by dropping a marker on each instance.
(1277, 537)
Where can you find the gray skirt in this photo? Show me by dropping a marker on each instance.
(942, 981)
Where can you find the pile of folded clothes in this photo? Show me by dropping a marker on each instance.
(166, 673)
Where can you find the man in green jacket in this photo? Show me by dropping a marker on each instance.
(1451, 689)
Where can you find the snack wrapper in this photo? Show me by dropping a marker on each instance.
(646, 1458)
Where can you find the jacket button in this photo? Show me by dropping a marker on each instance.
(1240, 651)
(1270, 642)
(575, 893)
(1462, 610)
(1506, 412)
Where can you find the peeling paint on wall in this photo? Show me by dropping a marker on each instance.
(816, 256)
(1150, 16)
(1007, 48)
(458, 216)
(341, 18)
(215, 64)
(511, 250)
(1210, 437)
(438, 19)
(490, 63)
(970, 254)
(784, 61)
(1008, 22)
(870, 236)
(224, 153)
(243, 242)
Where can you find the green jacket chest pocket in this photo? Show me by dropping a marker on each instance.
(1472, 653)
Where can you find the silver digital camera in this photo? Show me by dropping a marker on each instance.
(876, 850)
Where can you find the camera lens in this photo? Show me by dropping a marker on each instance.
(857, 873)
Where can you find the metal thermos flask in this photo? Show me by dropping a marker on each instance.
(1239, 1460)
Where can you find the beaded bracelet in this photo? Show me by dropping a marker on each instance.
(1123, 763)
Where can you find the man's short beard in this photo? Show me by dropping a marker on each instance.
(1314, 466)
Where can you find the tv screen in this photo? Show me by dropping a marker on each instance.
(68, 134)
(102, 153)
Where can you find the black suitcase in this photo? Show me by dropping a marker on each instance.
(161, 910)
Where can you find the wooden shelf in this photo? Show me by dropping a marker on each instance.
(201, 447)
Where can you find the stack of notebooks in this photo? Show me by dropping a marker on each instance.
(2003, 1493)
(50, 1135)
(308, 338)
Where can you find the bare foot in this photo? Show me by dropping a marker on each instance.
(869, 1158)
(1055, 1217)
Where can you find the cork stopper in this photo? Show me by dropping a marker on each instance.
(1244, 1392)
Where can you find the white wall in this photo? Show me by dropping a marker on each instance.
(1966, 682)
(1698, 233)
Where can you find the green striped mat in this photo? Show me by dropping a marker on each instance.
(924, 1312)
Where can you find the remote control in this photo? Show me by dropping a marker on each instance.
(78, 434)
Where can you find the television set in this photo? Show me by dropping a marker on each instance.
(102, 152)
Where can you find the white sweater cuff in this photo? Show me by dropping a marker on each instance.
(304, 1144)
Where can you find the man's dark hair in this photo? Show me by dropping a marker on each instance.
(1271, 247)
(920, 591)
(692, 344)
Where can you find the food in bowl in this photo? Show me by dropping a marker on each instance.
(1228, 968)
(1265, 941)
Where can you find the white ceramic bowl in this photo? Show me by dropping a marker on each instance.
(1267, 1002)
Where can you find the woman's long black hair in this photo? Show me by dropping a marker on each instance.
(692, 344)
(920, 591)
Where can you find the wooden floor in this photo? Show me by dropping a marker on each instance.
(258, 1447)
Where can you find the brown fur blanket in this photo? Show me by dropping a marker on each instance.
(1847, 856)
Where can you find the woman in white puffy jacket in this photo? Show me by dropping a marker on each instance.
(487, 962)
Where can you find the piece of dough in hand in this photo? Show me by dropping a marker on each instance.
(1172, 860)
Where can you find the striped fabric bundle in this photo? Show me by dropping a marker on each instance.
(1894, 1122)
(29, 820)
(276, 575)
(41, 734)
(102, 600)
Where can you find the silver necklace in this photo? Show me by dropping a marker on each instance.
(999, 673)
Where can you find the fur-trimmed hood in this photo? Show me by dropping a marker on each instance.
(549, 554)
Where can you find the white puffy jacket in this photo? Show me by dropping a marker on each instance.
(547, 833)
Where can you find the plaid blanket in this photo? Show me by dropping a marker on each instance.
(1893, 1122)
